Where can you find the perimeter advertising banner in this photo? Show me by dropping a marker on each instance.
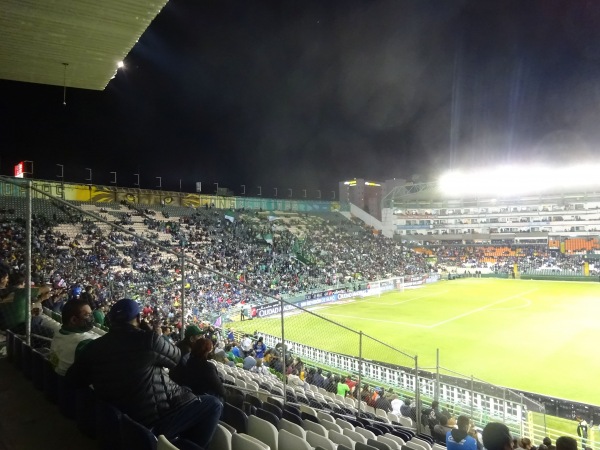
(273, 308)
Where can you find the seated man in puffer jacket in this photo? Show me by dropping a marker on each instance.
(126, 368)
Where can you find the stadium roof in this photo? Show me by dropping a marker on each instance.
(38, 36)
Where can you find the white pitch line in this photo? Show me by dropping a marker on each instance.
(527, 304)
(419, 297)
(410, 324)
(468, 313)
(388, 303)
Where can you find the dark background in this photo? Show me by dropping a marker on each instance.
(303, 94)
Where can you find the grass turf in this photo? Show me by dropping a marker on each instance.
(537, 336)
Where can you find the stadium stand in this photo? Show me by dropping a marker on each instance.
(293, 253)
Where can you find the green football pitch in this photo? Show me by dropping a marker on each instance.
(538, 336)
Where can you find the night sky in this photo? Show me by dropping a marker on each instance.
(303, 94)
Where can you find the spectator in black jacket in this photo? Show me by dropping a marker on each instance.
(199, 374)
(126, 369)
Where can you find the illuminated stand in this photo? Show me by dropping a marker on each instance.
(526, 204)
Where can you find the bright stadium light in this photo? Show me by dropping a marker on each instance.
(505, 181)
(120, 64)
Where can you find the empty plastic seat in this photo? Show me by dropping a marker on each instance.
(164, 444)
(415, 445)
(316, 440)
(324, 416)
(263, 430)
(268, 416)
(292, 417)
(235, 417)
(293, 428)
(340, 439)
(309, 425)
(344, 424)
(221, 440)
(254, 400)
(289, 441)
(422, 442)
(274, 409)
(378, 444)
(331, 426)
(366, 433)
(246, 442)
(356, 437)
(390, 442)
(395, 438)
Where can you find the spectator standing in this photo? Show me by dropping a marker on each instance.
(342, 388)
(260, 348)
(582, 432)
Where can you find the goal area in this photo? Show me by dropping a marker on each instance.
(379, 287)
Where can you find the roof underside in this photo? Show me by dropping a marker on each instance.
(38, 36)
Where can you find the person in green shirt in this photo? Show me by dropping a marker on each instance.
(342, 388)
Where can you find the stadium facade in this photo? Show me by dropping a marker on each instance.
(421, 213)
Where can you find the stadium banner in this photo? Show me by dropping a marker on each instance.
(273, 308)
(115, 194)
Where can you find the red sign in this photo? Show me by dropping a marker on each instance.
(19, 170)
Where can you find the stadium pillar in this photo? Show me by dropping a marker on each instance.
(436, 395)
(417, 394)
(283, 355)
(503, 404)
(472, 395)
(28, 265)
(522, 411)
(182, 293)
(360, 366)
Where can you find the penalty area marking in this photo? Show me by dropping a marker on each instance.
(366, 319)
(482, 308)
(525, 304)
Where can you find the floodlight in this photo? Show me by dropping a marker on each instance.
(505, 181)
(120, 64)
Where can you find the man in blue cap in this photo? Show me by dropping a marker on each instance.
(126, 368)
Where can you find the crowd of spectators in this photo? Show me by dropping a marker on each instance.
(111, 264)
(529, 258)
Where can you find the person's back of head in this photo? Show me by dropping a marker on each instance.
(443, 420)
(496, 436)
(201, 348)
(123, 312)
(566, 443)
(463, 423)
(547, 441)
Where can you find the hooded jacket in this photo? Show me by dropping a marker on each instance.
(458, 439)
